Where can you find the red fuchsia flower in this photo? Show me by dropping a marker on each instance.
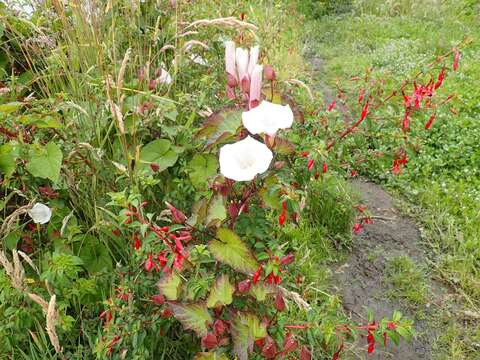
(255, 86)
(441, 76)
(361, 95)
(332, 105)
(391, 325)
(367, 221)
(158, 299)
(406, 100)
(305, 353)
(324, 168)
(150, 264)
(364, 113)
(162, 260)
(304, 154)
(257, 274)
(283, 214)
(456, 59)
(279, 302)
(137, 244)
(371, 342)
(115, 232)
(396, 167)
(166, 313)
(430, 121)
(274, 279)
(357, 228)
(353, 173)
(287, 259)
(310, 164)
(406, 121)
(316, 175)
(106, 316)
(178, 217)
(155, 167)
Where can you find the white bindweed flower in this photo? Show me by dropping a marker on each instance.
(267, 118)
(245, 159)
(164, 77)
(197, 59)
(40, 213)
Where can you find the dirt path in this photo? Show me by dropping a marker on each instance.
(361, 277)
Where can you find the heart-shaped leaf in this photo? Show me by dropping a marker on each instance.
(246, 328)
(45, 162)
(193, 317)
(231, 250)
(221, 293)
(158, 152)
(202, 167)
(169, 286)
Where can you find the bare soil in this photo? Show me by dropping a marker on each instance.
(360, 280)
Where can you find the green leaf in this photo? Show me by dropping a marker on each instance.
(221, 293)
(95, 255)
(193, 317)
(221, 126)
(271, 194)
(231, 250)
(260, 291)
(202, 167)
(8, 155)
(45, 162)
(10, 107)
(11, 240)
(158, 152)
(210, 356)
(41, 121)
(246, 328)
(283, 146)
(169, 286)
(216, 211)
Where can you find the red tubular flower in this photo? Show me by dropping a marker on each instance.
(396, 167)
(364, 111)
(287, 259)
(158, 299)
(137, 243)
(368, 221)
(357, 228)
(257, 274)
(456, 60)
(310, 164)
(219, 327)
(353, 173)
(430, 121)
(332, 105)
(150, 264)
(406, 122)
(177, 216)
(391, 325)
(441, 76)
(244, 286)
(304, 154)
(361, 95)
(281, 219)
(324, 168)
(371, 342)
(385, 336)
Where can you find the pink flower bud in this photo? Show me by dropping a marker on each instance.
(230, 59)
(152, 84)
(256, 86)
(253, 60)
(269, 73)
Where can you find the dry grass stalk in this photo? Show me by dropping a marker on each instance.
(296, 298)
(40, 301)
(189, 44)
(302, 84)
(115, 110)
(121, 74)
(14, 270)
(228, 22)
(11, 219)
(167, 47)
(29, 260)
(52, 320)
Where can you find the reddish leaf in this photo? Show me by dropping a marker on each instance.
(430, 121)
(364, 111)
(279, 302)
(287, 259)
(305, 354)
(219, 326)
(269, 350)
(357, 228)
(158, 299)
(257, 274)
(290, 344)
(210, 341)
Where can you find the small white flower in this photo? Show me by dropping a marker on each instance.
(164, 77)
(40, 213)
(267, 118)
(197, 59)
(243, 160)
